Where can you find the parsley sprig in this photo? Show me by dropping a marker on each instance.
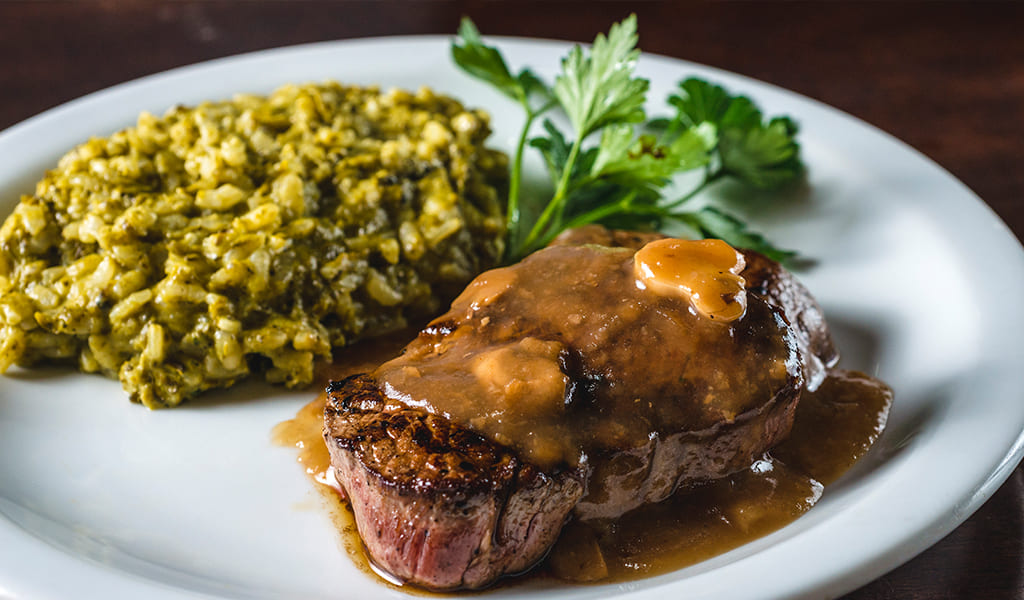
(621, 179)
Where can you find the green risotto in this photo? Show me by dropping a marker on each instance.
(249, 236)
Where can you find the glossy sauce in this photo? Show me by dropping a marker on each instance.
(704, 272)
(578, 352)
(834, 427)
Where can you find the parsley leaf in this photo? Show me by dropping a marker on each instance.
(762, 154)
(700, 102)
(600, 89)
(595, 90)
(766, 157)
(644, 159)
(485, 62)
(556, 150)
(713, 222)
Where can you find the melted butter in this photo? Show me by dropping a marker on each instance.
(705, 272)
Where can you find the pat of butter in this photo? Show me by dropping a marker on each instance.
(705, 272)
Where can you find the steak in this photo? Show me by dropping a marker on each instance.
(549, 415)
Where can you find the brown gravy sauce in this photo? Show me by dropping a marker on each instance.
(568, 357)
(835, 425)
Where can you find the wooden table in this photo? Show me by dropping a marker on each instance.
(946, 78)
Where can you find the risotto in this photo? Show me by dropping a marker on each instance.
(249, 237)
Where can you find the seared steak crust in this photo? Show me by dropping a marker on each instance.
(436, 504)
(768, 279)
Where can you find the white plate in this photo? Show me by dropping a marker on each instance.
(920, 280)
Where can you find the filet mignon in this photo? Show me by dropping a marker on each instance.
(472, 477)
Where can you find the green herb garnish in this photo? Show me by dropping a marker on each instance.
(620, 181)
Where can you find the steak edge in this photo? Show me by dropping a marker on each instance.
(437, 505)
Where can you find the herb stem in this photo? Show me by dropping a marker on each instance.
(624, 205)
(513, 215)
(512, 212)
(557, 203)
(600, 212)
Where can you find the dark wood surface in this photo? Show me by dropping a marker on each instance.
(947, 78)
